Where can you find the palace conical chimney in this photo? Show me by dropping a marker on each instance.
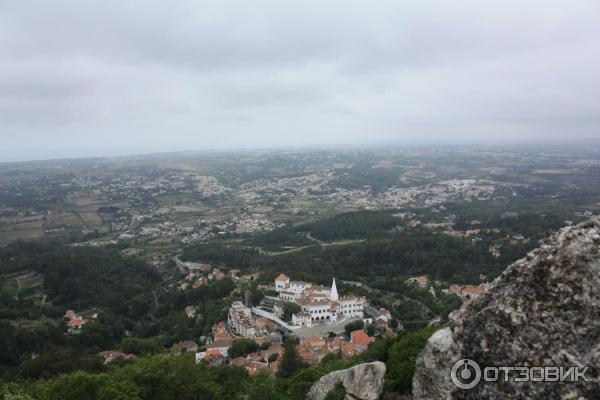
(334, 294)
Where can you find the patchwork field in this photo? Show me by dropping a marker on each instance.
(23, 285)
(33, 229)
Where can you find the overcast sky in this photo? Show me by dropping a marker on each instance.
(80, 78)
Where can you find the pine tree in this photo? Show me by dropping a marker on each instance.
(291, 361)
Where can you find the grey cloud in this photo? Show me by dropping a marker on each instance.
(140, 76)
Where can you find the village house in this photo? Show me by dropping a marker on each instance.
(111, 355)
(253, 367)
(382, 325)
(74, 322)
(381, 314)
(219, 331)
(192, 266)
(361, 340)
(218, 274)
(190, 311)
(74, 326)
(249, 277)
(469, 292)
(186, 346)
(213, 357)
(222, 345)
(281, 282)
(421, 280)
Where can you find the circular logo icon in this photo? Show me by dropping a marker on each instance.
(465, 374)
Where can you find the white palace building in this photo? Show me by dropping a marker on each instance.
(319, 303)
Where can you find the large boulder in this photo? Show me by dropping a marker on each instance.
(543, 311)
(361, 382)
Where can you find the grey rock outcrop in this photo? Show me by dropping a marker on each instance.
(544, 310)
(361, 382)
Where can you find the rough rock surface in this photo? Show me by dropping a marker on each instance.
(362, 382)
(544, 310)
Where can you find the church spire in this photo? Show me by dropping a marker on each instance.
(334, 294)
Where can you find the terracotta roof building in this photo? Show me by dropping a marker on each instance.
(360, 339)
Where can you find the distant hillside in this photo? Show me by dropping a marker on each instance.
(80, 277)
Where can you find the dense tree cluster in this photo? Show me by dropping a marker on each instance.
(125, 293)
(354, 225)
(234, 256)
(242, 347)
(167, 377)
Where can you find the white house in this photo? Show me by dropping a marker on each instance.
(281, 282)
(350, 306)
(299, 287)
(302, 319)
(288, 295)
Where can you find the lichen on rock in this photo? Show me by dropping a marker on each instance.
(361, 382)
(544, 310)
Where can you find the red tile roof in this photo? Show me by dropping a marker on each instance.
(76, 322)
(361, 338)
(110, 356)
(471, 289)
(213, 354)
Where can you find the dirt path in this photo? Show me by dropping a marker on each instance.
(155, 300)
(309, 237)
(317, 241)
(18, 288)
(278, 253)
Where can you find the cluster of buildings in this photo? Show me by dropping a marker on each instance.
(262, 360)
(314, 348)
(254, 223)
(241, 325)
(199, 274)
(418, 196)
(465, 292)
(311, 350)
(318, 187)
(209, 186)
(318, 303)
(75, 321)
(217, 347)
(165, 229)
(149, 220)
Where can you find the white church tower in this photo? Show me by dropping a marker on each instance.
(334, 294)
